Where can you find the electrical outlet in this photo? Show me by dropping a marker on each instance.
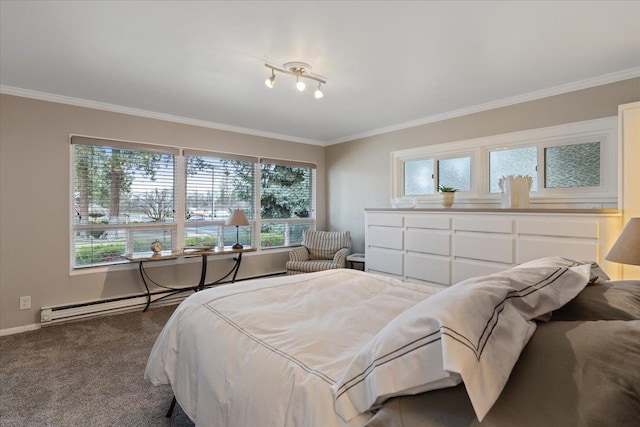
(25, 303)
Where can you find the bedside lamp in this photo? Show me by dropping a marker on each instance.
(626, 250)
(237, 219)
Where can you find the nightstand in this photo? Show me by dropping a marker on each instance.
(356, 259)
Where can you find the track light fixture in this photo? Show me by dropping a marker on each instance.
(301, 71)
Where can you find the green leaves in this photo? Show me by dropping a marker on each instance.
(444, 189)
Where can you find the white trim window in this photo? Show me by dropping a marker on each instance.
(425, 175)
(123, 199)
(127, 195)
(216, 184)
(574, 164)
(287, 202)
(417, 174)
(513, 161)
(571, 165)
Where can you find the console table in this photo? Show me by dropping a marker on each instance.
(204, 254)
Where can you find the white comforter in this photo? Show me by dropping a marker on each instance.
(266, 352)
(299, 350)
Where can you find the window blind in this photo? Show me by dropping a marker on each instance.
(127, 195)
(287, 203)
(286, 191)
(216, 185)
(124, 198)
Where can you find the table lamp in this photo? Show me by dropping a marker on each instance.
(237, 219)
(626, 250)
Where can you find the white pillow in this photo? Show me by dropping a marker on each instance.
(597, 273)
(473, 331)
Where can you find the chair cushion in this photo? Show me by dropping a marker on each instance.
(310, 266)
(299, 254)
(324, 244)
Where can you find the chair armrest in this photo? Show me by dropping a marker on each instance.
(299, 254)
(340, 257)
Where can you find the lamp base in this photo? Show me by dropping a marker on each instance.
(237, 246)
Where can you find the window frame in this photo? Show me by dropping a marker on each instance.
(455, 155)
(288, 222)
(598, 130)
(129, 228)
(179, 223)
(604, 159)
(490, 150)
(436, 158)
(182, 196)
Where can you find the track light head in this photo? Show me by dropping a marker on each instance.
(271, 80)
(300, 84)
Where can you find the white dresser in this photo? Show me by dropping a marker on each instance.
(443, 247)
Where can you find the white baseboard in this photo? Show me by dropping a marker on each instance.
(19, 329)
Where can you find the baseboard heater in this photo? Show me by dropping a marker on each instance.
(64, 313)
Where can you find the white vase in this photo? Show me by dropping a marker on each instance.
(447, 199)
(515, 191)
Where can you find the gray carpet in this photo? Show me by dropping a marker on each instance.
(86, 373)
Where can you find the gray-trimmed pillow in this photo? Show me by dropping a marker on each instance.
(597, 274)
(616, 300)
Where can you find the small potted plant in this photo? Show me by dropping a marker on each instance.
(448, 194)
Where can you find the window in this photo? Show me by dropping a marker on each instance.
(215, 185)
(418, 177)
(123, 197)
(565, 165)
(128, 195)
(423, 176)
(286, 202)
(576, 165)
(513, 161)
(572, 165)
(455, 173)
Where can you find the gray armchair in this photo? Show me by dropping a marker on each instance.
(320, 250)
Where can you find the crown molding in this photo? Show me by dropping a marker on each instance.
(556, 90)
(79, 102)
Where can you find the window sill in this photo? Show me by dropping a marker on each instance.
(501, 210)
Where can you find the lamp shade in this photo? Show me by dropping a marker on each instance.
(626, 250)
(237, 219)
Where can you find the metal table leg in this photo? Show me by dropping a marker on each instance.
(199, 287)
(173, 405)
(203, 273)
(144, 280)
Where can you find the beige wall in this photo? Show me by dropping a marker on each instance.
(35, 208)
(359, 171)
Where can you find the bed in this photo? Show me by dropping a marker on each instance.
(549, 342)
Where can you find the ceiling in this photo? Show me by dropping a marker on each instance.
(388, 64)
